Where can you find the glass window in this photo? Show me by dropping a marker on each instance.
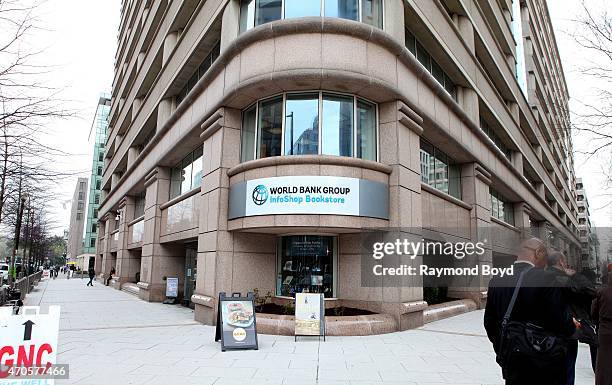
(193, 80)
(94, 228)
(439, 171)
(247, 15)
(302, 124)
(175, 182)
(98, 184)
(488, 130)
(371, 12)
(101, 156)
(79, 216)
(337, 125)
(196, 171)
(306, 264)
(267, 11)
(92, 242)
(366, 130)
(95, 213)
(247, 146)
(501, 208)
(344, 9)
(139, 205)
(99, 170)
(270, 128)
(97, 198)
(186, 168)
(301, 8)
(423, 56)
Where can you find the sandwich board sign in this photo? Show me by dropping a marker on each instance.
(309, 315)
(236, 326)
(172, 287)
(28, 347)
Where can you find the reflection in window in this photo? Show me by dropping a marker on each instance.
(306, 264)
(258, 12)
(187, 174)
(348, 126)
(337, 130)
(270, 124)
(366, 130)
(501, 208)
(343, 9)
(302, 124)
(439, 171)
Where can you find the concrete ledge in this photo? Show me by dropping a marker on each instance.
(364, 325)
(203, 300)
(448, 309)
(131, 288)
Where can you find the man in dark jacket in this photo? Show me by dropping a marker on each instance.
(92, 275)
(539, 302)
(578, 293)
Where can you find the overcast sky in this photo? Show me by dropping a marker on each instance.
(81, 43)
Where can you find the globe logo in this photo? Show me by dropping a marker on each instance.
(260, 195)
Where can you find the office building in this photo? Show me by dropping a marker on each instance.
(77, 220)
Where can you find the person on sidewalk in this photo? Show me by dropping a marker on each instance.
(537, 302)
(110, 276)
(92, 275)
(578, 294)
(602, 315)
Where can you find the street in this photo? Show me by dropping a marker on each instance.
(111, 337)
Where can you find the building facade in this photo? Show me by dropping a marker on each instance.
(97, 135)
(588, 239)
(438, 118)
(77, 220)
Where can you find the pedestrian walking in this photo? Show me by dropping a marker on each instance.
(578, 293)
(110, 276)
(529, 303)
(92, 275)
(602, 315)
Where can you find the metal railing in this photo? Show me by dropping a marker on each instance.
(26, 284)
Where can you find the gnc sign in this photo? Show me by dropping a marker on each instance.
(28, 340)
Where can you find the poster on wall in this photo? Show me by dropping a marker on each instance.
(309, 315)
(236, 326)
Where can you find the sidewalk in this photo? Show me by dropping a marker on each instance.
(111, 337)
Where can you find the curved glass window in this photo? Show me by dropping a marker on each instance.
(257, 12)
(308, 123)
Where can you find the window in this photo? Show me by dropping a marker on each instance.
(306, 264)
(79, 216)
(430, 64)
(579, 186)
(81, 186)
(80, 195)
(80, 206)
(193, 80)
(98, 184)
(517, 33)
(313, 123)
(139, 205)
(186, 175)
(439, 171)
(99, 171)
(258, 12)
(101, 156)
(580, 198)
(92, 242)
(97, 199)
(94, 227)
(501, 208)
(95, 213)
(488, 130)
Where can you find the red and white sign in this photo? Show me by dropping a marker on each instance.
(28, 340)
(46, 274)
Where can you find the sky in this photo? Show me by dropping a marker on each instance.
(79, 41)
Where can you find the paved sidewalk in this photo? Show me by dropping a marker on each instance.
(111, 337)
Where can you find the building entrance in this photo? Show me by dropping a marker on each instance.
(191, 272)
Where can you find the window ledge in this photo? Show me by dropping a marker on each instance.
(505, 224)
(140, 218)
(445, 196)
(309, 159)
(181, 197)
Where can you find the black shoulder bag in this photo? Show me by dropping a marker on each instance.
(525, 347)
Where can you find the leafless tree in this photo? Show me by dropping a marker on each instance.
(27, 105)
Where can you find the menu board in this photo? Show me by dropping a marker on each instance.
(236, 326)
(309, 314)
(172, 287)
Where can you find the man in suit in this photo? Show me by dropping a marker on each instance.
(539, 302)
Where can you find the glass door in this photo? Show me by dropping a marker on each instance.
(191, 272)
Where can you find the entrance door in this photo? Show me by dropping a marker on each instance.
(191, 269)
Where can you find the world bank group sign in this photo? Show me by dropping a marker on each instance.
(309, 195)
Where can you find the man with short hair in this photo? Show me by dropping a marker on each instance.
(539, 302)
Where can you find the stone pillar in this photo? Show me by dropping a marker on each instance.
(136, 106)
(517, 161)
(215, 242)
(132, 155)
(169, 44)
(522, 219)
(475, 182)
(106, 247)
(101, 244)
(140, 59)
(394, 20)
(468, 100)
(152, 284)
(124, 273)
(400, 130)
(230, 24)
(467, 31)
(164, 110)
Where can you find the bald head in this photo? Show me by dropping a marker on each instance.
(533, 250)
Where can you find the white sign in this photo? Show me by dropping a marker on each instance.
(302, 195)
(309, 314)
(46, 274)
(28, 340)
(172, 287)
